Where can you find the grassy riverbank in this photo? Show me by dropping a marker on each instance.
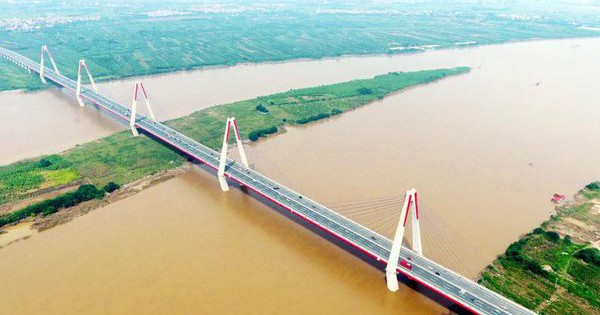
(556, 268)
(122, 158)
(141, 38)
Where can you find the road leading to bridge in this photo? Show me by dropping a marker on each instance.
(444, 281)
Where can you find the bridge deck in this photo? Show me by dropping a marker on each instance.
(447, 283)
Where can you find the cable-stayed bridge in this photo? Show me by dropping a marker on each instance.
(380, 251)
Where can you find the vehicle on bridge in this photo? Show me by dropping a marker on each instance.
(406, 264)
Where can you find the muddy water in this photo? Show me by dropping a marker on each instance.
(184, 247)
(49, 121)
(54, 122)
(16, 233)
(485, 150)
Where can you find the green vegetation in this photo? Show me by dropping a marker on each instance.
(121, 158)
(21, 179)
(299, 106)
(261, 108)
(49, 206)
(549, 273)
(128, 38)
(590, 256)
(593, 186)
(110, 187)
(591, 191)
(539, 268)
(256, 134)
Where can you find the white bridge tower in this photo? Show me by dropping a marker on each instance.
(45, 49)
(136, 90)
(221, 172)
(83, 65)
(411, 204)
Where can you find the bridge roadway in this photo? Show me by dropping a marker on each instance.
(444, 281)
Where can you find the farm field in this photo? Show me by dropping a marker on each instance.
(142, 37)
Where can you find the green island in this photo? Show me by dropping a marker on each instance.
(556, 268)
(26, 186)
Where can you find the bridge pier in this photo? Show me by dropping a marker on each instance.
(411, 203)
(83, 65)
(136, 90)
(223, 160)
(45, 49)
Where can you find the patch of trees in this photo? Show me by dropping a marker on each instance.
(539, 231)
(589, 255)
(308, 119)
(254, 135)
(49, 206)
(514, 252)
(364, 91)
(110, 187)
(53, 162)
(553, 236)
(262, 109)
(43, 163)
(593, 186)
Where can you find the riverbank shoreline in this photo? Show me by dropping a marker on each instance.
(308, 60)
(123, 159)
(39, 224)
(538, 270)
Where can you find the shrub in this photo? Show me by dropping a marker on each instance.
(589, 255)
(515, 251)
(49, 206)
(364, 91)
(553, 236)
(306, 120)
(254, 135)
(538, 231)
(43, 163)
(534, 267)
(111, 186)
(49, 210)
(54, 162)
(593, 186)
(262, 109)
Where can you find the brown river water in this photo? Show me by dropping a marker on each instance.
(485, 150)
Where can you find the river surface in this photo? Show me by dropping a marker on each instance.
(485, 150)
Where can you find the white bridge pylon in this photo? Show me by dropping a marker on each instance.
(83, 65)
(45, 49)
(221, 172)
(139, 86)
(411, 203)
